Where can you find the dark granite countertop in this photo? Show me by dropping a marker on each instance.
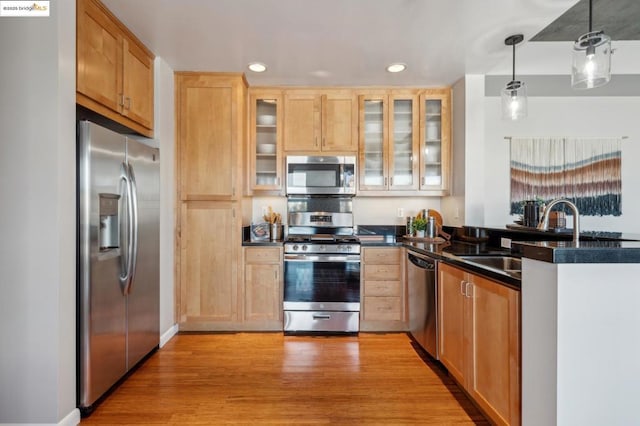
(450, 252)
(249, 243)
(586, 252)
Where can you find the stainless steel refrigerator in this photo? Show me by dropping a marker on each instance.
(118, 257)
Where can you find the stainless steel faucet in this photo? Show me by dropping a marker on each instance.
(544, 221)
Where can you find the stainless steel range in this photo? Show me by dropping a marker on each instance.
(322, 267)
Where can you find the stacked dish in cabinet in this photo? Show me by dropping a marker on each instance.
(266, 142)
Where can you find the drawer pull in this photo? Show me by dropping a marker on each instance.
(321, 316)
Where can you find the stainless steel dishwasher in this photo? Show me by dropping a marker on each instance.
(423, 324)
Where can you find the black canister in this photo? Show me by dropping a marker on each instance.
(531, 214)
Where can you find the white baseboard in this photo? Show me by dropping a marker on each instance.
(71, 419)
(167, 335)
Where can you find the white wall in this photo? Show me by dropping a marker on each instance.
(564, 116)
(453, 212)
(37, 189)
(165, 134)
(366, 210)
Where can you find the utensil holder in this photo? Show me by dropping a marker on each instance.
(276, 232)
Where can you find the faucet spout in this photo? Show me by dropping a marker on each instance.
(544, 221)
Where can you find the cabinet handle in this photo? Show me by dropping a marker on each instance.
(390, 181)
(461, 289)
(324, 141)
(316, 141)
(385, 181)
(276, 275)
(423, 181)
(127, 103)
(121, 103)
(466, 293)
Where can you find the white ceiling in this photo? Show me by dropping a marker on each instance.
(339, 42)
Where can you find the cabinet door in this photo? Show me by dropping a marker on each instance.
(435, 140)
(137, 84)
(99, 56)
(451, 311)
(265, 134)
(403, 148)
(339, 122)
(373, 142)
(208, 262)
(263, 301)
(495, 350)
(207, 142)
(302, 122)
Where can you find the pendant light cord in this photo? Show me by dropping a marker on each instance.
(513, 72)
(590, 14)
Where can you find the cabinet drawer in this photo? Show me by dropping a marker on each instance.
(262, 255)
(380, 308)
(382, 288)
(388, 256)
(382, 272)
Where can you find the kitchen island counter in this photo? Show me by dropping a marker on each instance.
(580, 320)
(586, 252)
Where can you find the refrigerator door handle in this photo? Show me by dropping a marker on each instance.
(133, 259)
(125, 276)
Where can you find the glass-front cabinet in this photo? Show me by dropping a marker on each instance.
(388, 141)
(435, 140)
(266, 165)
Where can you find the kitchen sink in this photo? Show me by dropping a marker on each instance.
(507, 264)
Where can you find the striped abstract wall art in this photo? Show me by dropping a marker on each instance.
(586, 171)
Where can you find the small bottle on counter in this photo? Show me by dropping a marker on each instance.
(431, 227)
(409, 225)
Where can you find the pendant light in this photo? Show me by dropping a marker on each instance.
(591, 58)
(514, 95)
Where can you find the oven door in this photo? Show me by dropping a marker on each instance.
(323, 282)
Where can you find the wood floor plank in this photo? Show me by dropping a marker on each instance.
(269, 378)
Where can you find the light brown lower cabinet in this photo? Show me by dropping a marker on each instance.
(263, 288)
(479, 324)
(383, 298)
(209, 243)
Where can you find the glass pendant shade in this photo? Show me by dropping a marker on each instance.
(591, 61)
(514, 100)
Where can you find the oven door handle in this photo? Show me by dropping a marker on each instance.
(321, 258)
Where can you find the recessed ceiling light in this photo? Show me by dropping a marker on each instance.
(397, 67)
(257, 67)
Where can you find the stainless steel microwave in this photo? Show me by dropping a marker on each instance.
(322, 175)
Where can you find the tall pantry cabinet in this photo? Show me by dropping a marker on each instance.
(210, 111)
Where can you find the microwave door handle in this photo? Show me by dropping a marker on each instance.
(342, 182)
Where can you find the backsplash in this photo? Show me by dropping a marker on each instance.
(366, 210)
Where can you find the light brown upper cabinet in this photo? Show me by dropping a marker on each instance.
(210, 108)
(435, 141)
(265, 172)
(388, 159)
(114, 69)
(320, 121)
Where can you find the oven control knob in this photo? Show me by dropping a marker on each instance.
(295, 247)
(349, 248)
(304, 247)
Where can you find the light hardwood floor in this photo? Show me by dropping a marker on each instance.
(268, 378)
